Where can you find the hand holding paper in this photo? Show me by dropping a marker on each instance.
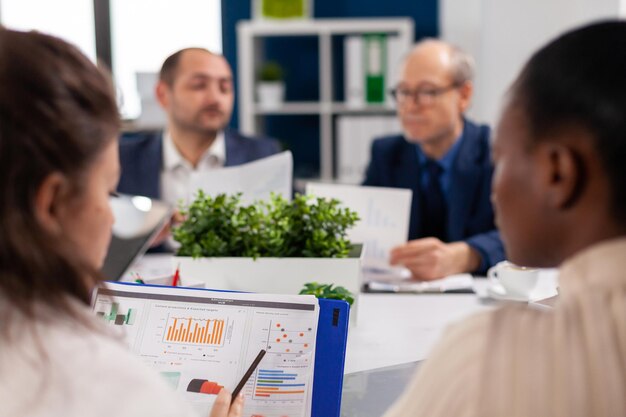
(167, 229)
(255, 180)
(384, 214)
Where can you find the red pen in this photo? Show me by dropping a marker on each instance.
(176, 278)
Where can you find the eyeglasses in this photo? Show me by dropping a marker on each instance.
(424, 96)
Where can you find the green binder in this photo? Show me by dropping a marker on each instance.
(375, 65)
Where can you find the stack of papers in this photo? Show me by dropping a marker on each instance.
(201, 341)
(460, 283)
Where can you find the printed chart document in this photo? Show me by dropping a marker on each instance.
(255, 180)
(201, 341)
(384, 213)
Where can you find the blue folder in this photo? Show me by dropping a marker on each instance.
(330, 357)
(330, 354)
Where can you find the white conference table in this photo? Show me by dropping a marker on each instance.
(393, 329)
(398, 328)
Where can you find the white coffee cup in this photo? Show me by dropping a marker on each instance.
(517, 281)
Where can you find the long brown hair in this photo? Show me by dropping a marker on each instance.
(57, 114)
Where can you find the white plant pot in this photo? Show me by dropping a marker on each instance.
(275, 275)
(270, 95)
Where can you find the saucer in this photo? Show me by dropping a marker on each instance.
(497, 292)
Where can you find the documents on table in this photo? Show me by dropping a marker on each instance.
(255, 180)
(201, 341)
(384, 213)
(449, 284)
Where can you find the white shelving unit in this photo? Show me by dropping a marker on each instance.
(250, 35)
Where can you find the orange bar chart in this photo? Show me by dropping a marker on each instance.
(191, 330)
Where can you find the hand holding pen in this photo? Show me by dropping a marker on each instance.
(223, 406)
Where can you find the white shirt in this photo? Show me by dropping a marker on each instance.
(58, 368)
(176, 171)
(522, 361)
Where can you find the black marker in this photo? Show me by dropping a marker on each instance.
(246, 376)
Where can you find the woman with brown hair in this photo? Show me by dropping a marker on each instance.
(59, 163)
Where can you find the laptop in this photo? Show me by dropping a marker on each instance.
(138, 220)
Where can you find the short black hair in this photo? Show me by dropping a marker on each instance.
(579, 79)
(170, 65)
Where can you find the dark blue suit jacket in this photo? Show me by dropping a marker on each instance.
(141, 158)
(394, 163)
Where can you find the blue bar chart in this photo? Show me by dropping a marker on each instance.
(278, 384)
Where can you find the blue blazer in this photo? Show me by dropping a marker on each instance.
(394, 163)
(141, 158)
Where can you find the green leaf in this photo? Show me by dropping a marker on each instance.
(304, 227)
(327, 291)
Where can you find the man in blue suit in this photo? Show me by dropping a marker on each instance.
(445, 159)
(195, 89)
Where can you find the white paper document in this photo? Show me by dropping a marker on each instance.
(255, 180)
(201, 341)
(451, 283)
(384, 213)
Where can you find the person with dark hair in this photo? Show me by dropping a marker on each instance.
(444, 159)
(560, 198)
(59, 161)
(195, 89)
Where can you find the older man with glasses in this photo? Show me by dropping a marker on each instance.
(444, 158)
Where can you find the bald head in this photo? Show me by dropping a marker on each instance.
(434, 90)
(437, 56)
(172, 62)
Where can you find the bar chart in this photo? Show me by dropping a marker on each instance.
(172, 378)
(193, 330)
(115, 316)
(378, 217)
(279, 384)
(204, 386)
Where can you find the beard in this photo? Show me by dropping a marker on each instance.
(207, 121)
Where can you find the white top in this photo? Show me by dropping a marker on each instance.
(177, 170)
(569, 361)
(55, 367)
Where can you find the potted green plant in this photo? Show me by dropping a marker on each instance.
(270, 85)
(328, 291)
(274, 246)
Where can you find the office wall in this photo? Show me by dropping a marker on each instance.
(502, 34)
(459, 23)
